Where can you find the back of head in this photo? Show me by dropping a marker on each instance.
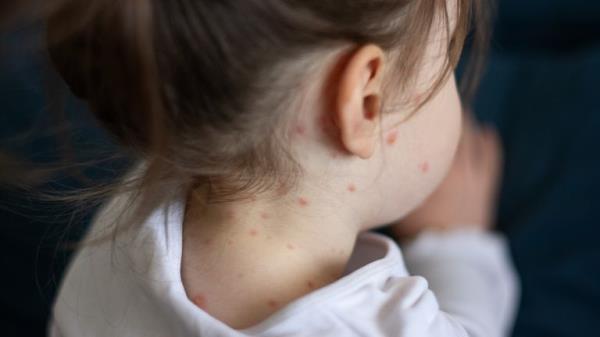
(202, 91)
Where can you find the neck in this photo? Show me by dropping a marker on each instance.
(280, 248)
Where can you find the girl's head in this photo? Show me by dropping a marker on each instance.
(284, 99)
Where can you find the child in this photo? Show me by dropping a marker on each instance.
(272, 135)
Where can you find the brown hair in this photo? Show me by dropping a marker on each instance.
(199, 90)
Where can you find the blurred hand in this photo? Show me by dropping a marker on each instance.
(467, 196)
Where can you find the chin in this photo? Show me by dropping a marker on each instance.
(392, 215)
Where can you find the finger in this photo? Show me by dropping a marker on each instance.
(468, 139)
(494, 164)
(461, 151)
(493, 146)
(473, 139)
(493, 154)
(479, 148)
(469, 120)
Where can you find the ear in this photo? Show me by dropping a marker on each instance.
(358, 101)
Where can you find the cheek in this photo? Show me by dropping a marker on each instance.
(448, 111)
(421, 154)
(441, 130)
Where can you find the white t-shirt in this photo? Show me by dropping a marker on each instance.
(133, 287)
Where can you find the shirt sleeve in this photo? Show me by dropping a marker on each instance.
(470, 277)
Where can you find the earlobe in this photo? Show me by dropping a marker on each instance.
(359, 101)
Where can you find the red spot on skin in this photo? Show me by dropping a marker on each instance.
(370, 115)
(291, 246)
(253, 232)
(264, 215)
(273, 304)
(351, 188)
(207, 241)
(392, 137)
(424, 167)
(303, 201)
(240, 275)
(300, 129)
(199, 301)
(229, 242)
(310, 284)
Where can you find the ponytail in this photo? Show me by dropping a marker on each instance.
(104, 49)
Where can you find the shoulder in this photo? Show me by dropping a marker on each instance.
(109, 287)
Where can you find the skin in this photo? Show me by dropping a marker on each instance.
(244, 260)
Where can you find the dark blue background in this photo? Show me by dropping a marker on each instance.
(541, 89)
